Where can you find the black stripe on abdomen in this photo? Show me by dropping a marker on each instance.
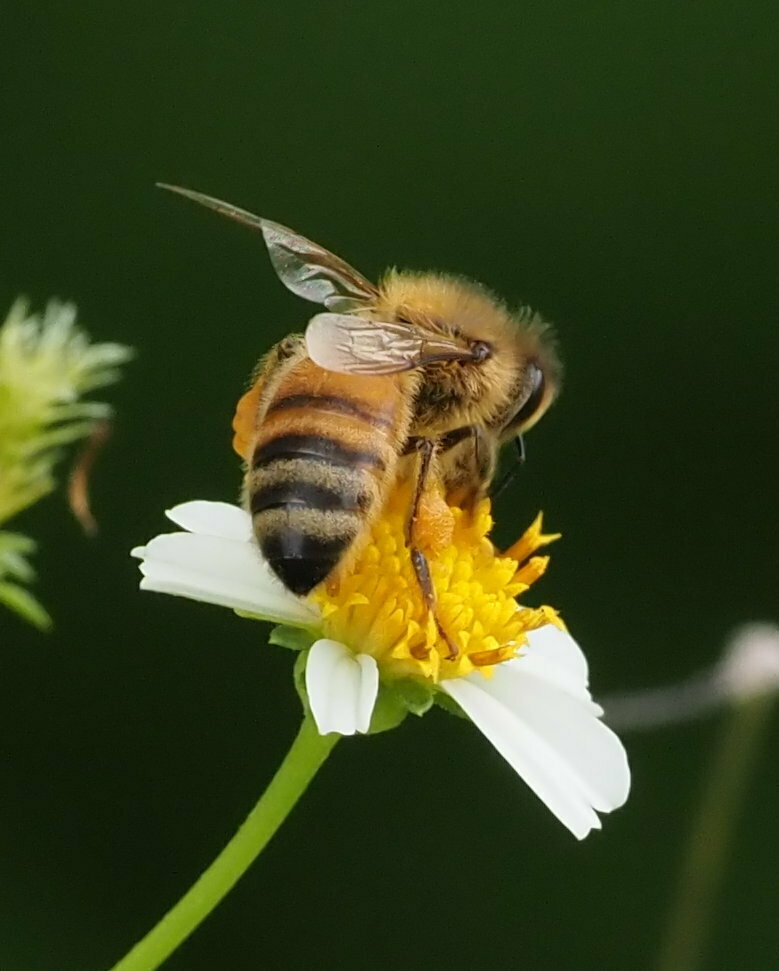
(328, 403)
(309, 495)
(316, 448)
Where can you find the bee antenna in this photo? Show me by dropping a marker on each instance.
(225, 208)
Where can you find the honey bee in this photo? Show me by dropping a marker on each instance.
(422, 377)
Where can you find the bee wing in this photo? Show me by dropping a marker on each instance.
(353, 345)
(304, 267)
(314, 273)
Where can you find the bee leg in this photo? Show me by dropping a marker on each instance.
(425, 448)
(466, 478)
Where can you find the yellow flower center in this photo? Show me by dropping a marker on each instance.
(375, 605)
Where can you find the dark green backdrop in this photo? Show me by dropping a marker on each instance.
(613, 163)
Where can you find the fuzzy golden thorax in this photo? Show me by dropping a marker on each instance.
(486, 393)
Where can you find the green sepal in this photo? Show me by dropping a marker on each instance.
(443, 700)
(293, 638)
(299, 678)
(388, 712)
(416, 696)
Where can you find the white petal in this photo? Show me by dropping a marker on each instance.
(342, 688)
(526, 754)
(558, 647)
(212, 519)
(538, 714)
(551, 672)
(591, 752)
(221, 571)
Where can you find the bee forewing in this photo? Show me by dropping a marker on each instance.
(350, 344)
(304, 267)
(313, 272)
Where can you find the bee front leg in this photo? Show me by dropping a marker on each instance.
(468, 470)
(425, 449)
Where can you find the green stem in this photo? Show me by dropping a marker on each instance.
(712, 832)
(308, 752)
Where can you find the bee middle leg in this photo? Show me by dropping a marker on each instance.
(425, 449)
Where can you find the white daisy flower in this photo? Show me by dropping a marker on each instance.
(519, 676)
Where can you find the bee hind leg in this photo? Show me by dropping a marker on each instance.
(425, 448)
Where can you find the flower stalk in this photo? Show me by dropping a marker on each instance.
(307, 754)
(705, 857)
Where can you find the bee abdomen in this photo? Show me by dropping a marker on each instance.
(300, 555)
(308, 495)
(316, 448)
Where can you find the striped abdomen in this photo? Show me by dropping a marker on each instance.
(325, 446)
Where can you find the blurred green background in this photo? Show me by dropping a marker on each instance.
(612, 163)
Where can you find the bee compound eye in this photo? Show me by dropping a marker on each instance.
(481, 351)
(536, 383)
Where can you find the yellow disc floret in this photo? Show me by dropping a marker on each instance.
(375, 605)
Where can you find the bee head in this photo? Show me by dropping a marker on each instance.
(514, 372)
